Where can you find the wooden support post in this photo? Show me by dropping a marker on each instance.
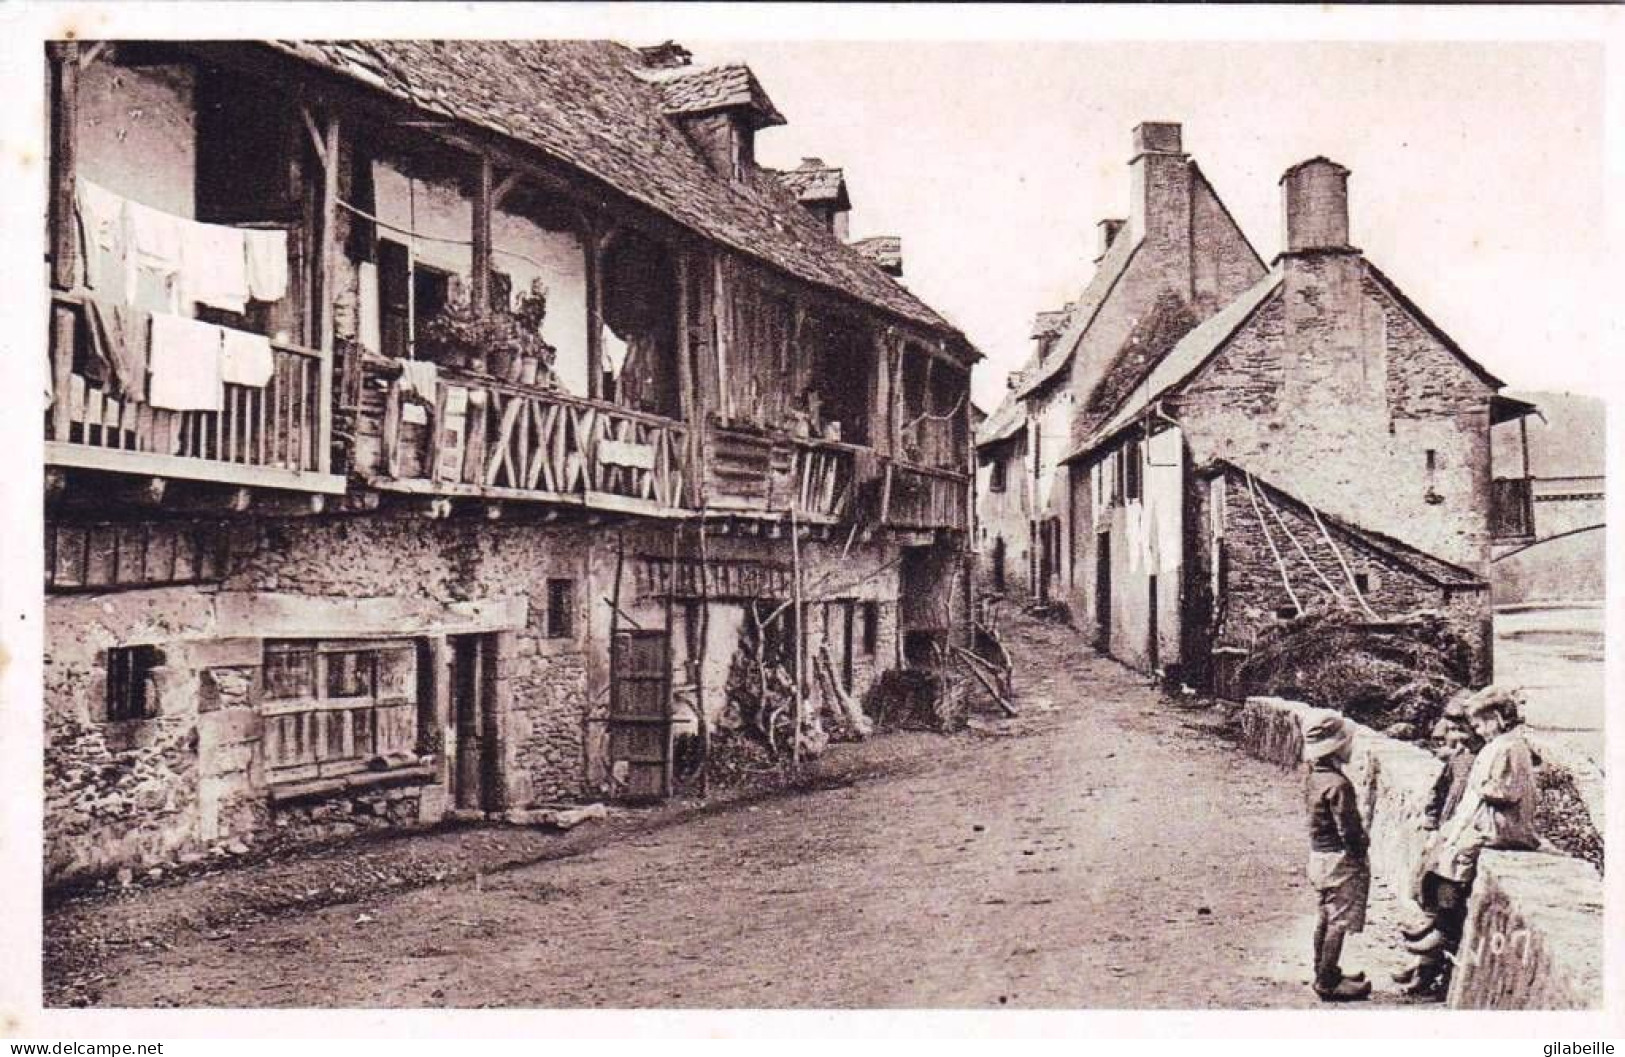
(704, 634)
(689, 380)
(480, 281)
(328, 270)
(801, 637)
(63, 93)
(595, 311)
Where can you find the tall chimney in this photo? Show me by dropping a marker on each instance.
(1160, 212)
(1315, 206)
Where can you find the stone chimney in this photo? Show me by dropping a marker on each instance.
(1109, 230)
(1160, 209)
(1335, 331)
(1315, 206)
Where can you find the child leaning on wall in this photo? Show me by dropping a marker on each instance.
(1339, 868)
(1457, 745)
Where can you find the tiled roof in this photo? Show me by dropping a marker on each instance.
(1154, 335)
(1431, 568)
(702, 89)
(1111, 268)
(813, 181)
(1005, 422)
(1188, 354)
(581, 102)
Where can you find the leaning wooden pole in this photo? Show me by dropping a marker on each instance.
(704, 636)
(614, 643)
(801, 634)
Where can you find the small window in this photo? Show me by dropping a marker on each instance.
(1132, 483)
(560, 608)
(1432, 460)
(129, 672)
(1287, 612)
(996, 479)
(1365, 583)
(871, 624)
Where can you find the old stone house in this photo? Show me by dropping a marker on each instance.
(1003, 511)
(1176, 259)
(1315, 444)
(436, 426)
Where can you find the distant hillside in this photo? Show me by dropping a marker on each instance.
(1567, 439)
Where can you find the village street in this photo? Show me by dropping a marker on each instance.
(1109, 849)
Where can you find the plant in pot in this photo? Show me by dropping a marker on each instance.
(505, 342)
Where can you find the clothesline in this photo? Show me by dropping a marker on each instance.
(409, 233)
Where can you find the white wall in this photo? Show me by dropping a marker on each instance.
(138, 133)
(557, 258)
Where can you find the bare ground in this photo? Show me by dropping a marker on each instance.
(1108, 849)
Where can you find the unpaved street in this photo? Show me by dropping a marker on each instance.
(1107, 850)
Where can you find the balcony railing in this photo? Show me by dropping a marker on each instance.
(919, 497)
(270, 436)
(487, 438)
(1512, 508)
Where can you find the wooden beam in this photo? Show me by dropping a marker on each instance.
(63, 93)
(271, 504)
(503, 188)
(328, 265)
(595, 312)
(480, 280)
(180, 467)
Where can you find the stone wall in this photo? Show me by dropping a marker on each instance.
(1535, 927)
(1336, 393)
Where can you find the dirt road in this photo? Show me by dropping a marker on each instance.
(1106, 850)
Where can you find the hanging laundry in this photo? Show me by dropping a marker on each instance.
(267, 252)
(104, 240)
(118, 348)
(245, 359)
(418, 378)
(215, 265)
(153, 263)
(184, 364)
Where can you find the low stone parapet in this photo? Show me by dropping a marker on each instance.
(1534, 935)
(1534, 938)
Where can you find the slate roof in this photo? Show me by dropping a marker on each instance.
(1183, 360)
(581, 102)
(703, 89)
(1005, 422)
(1111, 268)
(813, 181)
(1433, 569)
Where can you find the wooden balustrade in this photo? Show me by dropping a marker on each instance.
(512, 442)
(266, 436)
(823, 476)
(923, 498)
(309, 740)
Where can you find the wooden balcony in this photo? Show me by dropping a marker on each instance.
(273, 437)
(497, 440)
(920, 497)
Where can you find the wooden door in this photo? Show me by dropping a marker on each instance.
(640, 713)
(1103, 590)
(473, 704)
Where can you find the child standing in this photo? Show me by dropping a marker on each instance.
(1338, 867)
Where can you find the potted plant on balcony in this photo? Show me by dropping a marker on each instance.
(506, 342)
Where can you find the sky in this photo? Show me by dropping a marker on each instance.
(1477, 170)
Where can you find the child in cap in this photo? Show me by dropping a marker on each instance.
(1338, 867)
